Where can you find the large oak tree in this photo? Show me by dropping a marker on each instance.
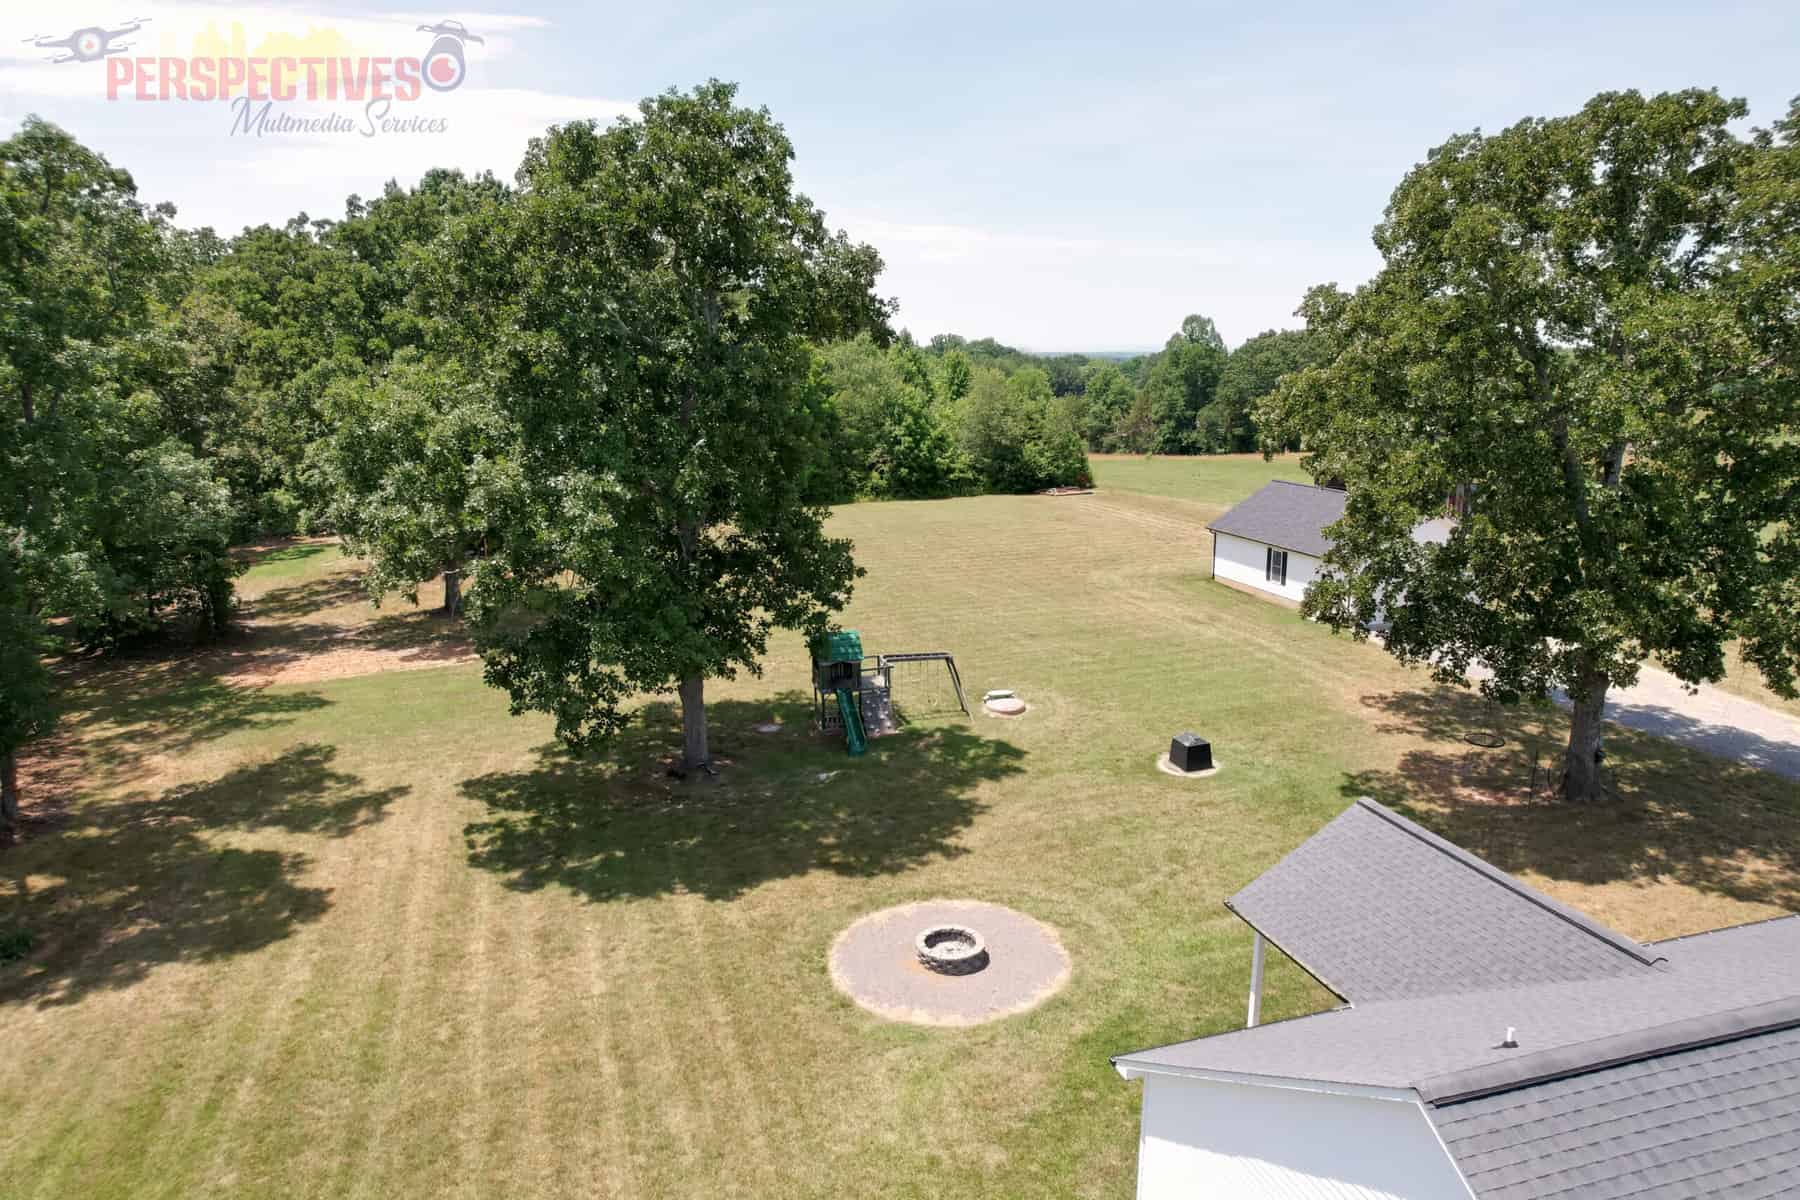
(1585, 327)
(642, 312)
(107, 518)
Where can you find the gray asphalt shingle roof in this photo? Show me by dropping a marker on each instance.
(1670, 1069)
(1378, 908)
(1719, 1120)
(1290, 516)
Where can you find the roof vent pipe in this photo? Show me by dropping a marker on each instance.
(1511, 1040)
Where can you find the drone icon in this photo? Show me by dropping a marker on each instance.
(455, 29)
(89, 44)
(443, 67)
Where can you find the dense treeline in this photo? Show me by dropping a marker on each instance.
(956, 416)
(913, 424)
(1191, 397)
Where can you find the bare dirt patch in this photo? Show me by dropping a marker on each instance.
(304, 617)
(283, 655)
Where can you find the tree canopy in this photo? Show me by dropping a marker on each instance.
(106, 516)
(1250, 374)
(1582, 338)
(646, 306)
(1182, 383)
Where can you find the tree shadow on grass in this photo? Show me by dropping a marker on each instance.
(614, 825)
(118, 715)
(130, 884)
(310, 596)
(1673, 813)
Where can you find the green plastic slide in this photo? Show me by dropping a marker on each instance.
(851, 711)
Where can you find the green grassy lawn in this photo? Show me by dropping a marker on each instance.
(1215, 481)
(1743, 679)
(368, 935)
(297, 559)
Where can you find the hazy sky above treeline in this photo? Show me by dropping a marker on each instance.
(1060, 177)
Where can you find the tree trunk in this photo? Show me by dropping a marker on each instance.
(1581, 762)
(9, 793)
(693, 723)
(453, 592)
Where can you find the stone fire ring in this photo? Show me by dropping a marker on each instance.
(876, 963)
(1005, 706)
(951, 949)
(1168, 768)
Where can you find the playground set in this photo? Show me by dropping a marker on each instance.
(853, 693)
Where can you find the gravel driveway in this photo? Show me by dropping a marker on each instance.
(1707, 718)
(1710, 719)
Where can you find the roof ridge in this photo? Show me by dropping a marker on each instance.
(1511, 883)
(1612, 1050)
(1705, 933)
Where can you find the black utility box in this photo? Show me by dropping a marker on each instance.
(1190, 752)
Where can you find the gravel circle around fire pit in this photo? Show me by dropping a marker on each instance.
(875, 962)
(1168, 768)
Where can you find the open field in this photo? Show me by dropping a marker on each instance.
(1215, 481)
(364, 934)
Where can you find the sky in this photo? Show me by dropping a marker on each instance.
(1059, 177)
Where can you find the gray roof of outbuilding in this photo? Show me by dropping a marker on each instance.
(1288, 515)
(1709, 1019)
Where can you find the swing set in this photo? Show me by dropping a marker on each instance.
(853, 693)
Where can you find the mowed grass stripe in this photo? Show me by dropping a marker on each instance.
(245, 1029)
(344, 1016)
(396, 1040)
(472, 979)
(592, 1122)
(416, 1130)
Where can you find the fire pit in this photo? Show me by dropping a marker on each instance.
(951, 950)
(887, 962)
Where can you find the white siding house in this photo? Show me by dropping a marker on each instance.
(1493, 1044)
(1261, 567)
(1206, 1138)
(1272, 542)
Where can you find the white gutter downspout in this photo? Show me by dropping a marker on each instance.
(1256, 976)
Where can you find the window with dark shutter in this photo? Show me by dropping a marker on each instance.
(1275, 567)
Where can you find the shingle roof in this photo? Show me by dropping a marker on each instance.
(1718, 1120)
(1379, 908)
(1665, 1070)
(1446, 1047)
(1287, 515)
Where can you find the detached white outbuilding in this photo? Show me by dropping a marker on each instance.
(1272, 543)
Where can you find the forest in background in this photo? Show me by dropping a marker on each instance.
(953, 416)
